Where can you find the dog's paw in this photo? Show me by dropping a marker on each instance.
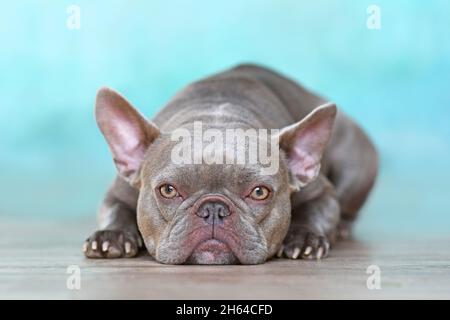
(112, 244)
(304, 244)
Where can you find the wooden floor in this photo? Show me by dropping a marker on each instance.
(34, 257)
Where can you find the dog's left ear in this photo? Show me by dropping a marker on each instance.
(127, 132)
(304, 143)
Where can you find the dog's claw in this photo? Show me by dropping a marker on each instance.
(302, 243)
(307, 251)
(127, 247)
(296, 253)
(105, 246)
(112, 244)
(280, 251)
(319, 253)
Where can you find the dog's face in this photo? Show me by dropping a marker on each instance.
(210, 213)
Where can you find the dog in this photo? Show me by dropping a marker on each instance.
(229, 213)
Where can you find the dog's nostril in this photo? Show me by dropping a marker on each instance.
(213, 210)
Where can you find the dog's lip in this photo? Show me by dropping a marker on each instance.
(220, 240)
(212, 251)
(213, 245)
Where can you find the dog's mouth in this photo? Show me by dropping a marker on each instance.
(212, 232)
(212, 251)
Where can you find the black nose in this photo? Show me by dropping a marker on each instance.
(213, 212)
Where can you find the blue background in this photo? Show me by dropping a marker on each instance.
(394, 81)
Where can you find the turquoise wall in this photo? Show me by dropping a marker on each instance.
(395, 81)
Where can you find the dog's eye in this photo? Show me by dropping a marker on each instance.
(260, 193)
(168, 191)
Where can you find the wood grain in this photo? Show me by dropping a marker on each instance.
(34, 256)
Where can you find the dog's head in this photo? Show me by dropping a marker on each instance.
(209, 212)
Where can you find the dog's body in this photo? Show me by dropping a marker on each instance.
(299, 223)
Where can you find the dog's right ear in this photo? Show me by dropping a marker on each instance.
(127, 132)
(304, 143)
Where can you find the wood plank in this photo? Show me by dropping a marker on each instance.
(34, 258)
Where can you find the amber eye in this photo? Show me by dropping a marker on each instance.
(260, 193)
(168, 191)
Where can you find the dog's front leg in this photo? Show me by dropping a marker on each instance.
(118, 235)
(312, 228)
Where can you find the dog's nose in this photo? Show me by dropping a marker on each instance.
(213, 211)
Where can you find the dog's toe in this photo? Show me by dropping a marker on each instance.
(112, 244)
(305, 245)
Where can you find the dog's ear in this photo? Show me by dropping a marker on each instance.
(304, 143)
(127, 132)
